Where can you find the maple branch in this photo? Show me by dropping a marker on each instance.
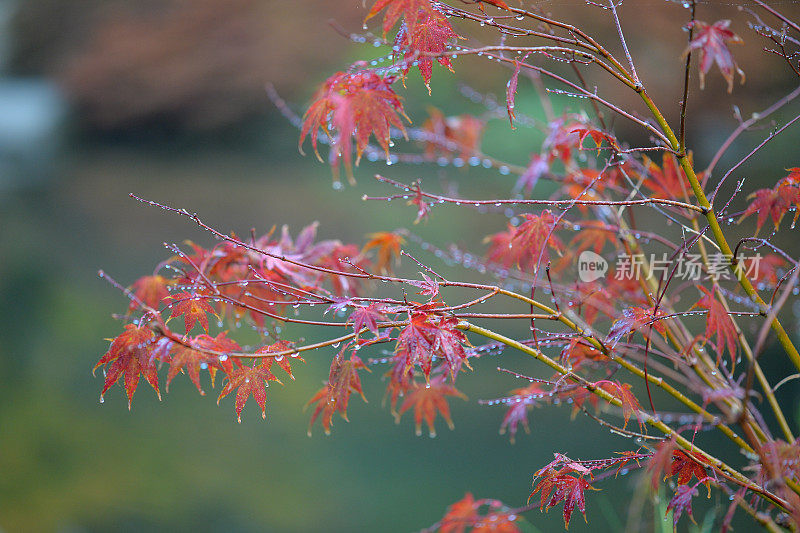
(545, 50)
(744, 126)
(686, 76)
(498, 202)
(730, 473)
(612, 6)
(618, 430)
(573, 30)
(771, 136)
(778, 15)
(592, 96)
(717, 232)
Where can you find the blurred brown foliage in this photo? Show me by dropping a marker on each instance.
(195, 64)
(201, 64)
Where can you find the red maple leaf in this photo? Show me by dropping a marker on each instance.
(423, 209)
(579, 396)
(429, 286)
(598, 137)
(130, 354)
(426, 337)
(558, 485)
(661, 461)
(415, 343)
(764, 269)
(718, 323)
(203, 352)
(776, 202)
(517, 413)
(622, 391)
(593, 299)
(427, 399)
(401, 380)
(335, 260)
(282, 361)
(511, 93)
(408, 9)
(687, 464)
(538, 166)
(428, 39)
(681, 502)
(356, 104)
(193, 307)
(534, 235)
(526, 245)
(367, 316)
(249, 380)
(712, 41)
(635, 319)
(624, 286)
(561, 139)
(448, 344)
(579, 351)
(343, 381)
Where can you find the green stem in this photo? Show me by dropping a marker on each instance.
(635, 370)
(716, 230)
(732, 473)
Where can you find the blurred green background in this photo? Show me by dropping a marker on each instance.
(166, 99)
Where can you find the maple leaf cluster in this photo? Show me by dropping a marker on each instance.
(712, 42)
(230, 281)
(608, 328)
(424, 33)
(257, 281)
(353, 104)
(465, 515)
(776, 202)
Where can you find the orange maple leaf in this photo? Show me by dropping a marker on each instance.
(387, 246)
(193, 307)
(667, 181)
(249, 380)
(203, 352)
(150, 290)
(452, 135)
(712, 41)
(427, 399)
(409, 10)
(334, 396)
(718, 323)
(776, 202)
(283, 361)
(629, 403)
(131, 353)
(464, 514)
(427, 39)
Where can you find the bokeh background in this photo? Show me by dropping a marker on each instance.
(165, 98)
